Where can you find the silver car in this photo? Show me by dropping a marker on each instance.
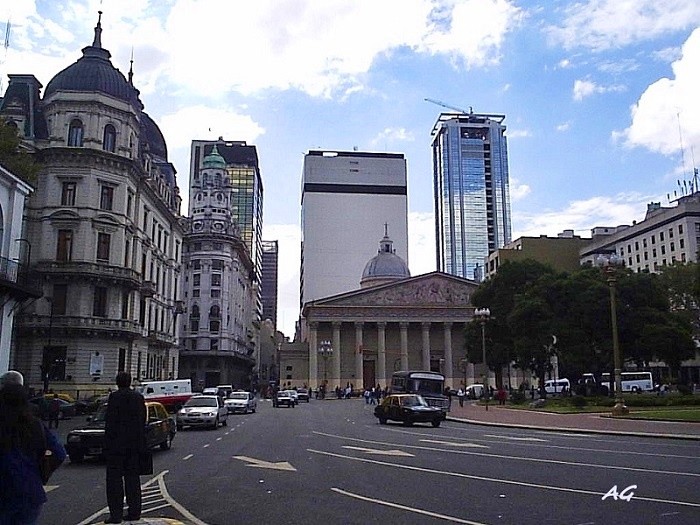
(202, 411)
(243, 402)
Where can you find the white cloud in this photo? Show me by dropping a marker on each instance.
(586, 88)
(391, 135)
(667, 54)
(668, 103)
(564, 126)
(581, 216)
(518, 191)
(605, 24)
(564, 63)
(618, 67)
(519, 133)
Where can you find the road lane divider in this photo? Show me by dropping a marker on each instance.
(453, 443)
(415, 510)
(259, 463)
(496, 480)
(188, 456)
(512, 438)
(380, 452)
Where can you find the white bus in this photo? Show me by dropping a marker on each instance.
(631, 381)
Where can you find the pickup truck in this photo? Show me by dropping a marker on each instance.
(88, 440)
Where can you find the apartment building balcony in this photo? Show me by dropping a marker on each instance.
(157, 337)
(148, 289)
(84, 269)
(70, 325)
(16, 281)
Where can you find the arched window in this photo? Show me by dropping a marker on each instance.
(195, 311)
(215, 312)
(109, 140)
(75, 133)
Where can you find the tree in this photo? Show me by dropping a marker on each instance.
(15, 159)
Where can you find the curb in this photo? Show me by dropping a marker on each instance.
(575, 430)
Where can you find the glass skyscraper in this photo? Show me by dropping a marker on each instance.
(471, 191)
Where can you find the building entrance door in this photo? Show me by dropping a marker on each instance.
(368, 374)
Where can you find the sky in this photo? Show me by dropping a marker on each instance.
(600, 96)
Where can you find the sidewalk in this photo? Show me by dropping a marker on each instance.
(598, 423)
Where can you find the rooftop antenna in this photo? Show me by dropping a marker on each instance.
(131, 68)
(6, 45)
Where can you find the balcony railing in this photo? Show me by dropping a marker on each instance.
(15, 276)
(84, 268)
(57, 322)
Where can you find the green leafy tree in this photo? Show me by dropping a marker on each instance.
(15, 159)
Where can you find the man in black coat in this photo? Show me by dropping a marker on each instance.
(125, 441)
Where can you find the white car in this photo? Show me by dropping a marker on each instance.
(202, 411)
(243, 402)
(294, 395)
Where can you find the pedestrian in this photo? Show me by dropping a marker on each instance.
(501, 396)
(460, 396)
(125, 443)
(373, 397)
(54, 411)
(24, 440)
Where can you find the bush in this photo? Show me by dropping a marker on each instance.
(579, 401)
(684, 390)
(518, 397)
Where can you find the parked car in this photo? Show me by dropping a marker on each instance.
(557, 386)
(88, 440)
(243, 402)
(202, 410)
(66, 410)
(408, 409)
(303, 395)
(285, 398)
(475, 391)
(294, 395)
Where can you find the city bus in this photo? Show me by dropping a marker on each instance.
(430, 385)
(631, 381)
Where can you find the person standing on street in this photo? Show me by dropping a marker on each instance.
(460, 396)
(125, 442)
(54, 411)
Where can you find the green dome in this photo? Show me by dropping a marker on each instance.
(214, 159)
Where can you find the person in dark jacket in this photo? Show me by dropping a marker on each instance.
(125, 442)
(23, 441)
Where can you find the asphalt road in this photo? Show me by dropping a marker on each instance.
(331, 462)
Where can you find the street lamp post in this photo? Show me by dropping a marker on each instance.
(483, 315)
(325, 350)
(608, 264)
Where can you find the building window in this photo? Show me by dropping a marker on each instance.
(195, 293)
(646, 256)
(681, 243)
(673, 247)
(216, 279)
(215, 294)
(214, 325)
(99, 305)
(217, 264)
(663, 249)
(653, 252)
(68, 194)
(125, 304)
(129, 203)
(653, 239)
(636, 245)
(218, 246)
(644, 243)
(58, 301)
(75, 133)
(670, 233)
(215, 311)
(103, 241)
(109, 138)
(64, 246)
(680, 229)
(106, 197)
(194, 325)
(213, 345)
(196, 279)
(197, 264)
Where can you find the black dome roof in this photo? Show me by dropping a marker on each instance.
(93, 72)
(154, 137)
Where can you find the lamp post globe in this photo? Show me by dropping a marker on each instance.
(483, 315)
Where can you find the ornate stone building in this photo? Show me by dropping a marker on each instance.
(218, 338)
(395, 323)
(104, 226)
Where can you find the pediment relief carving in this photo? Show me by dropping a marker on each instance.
(433, 291)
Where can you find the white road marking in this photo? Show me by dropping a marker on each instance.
(453, 444)
(516, 458)
(511, 438)
(188, 456)
(206, 446)
(495, 480)
(377, 452)
(403, 507)
(219, 439)
(259, 463)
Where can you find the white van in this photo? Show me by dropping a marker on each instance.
(475, 391)
(557, 386)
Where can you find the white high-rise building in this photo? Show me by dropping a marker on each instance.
(349, 199)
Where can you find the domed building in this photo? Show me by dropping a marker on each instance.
(392, 322)
(384, 267)
(105, 229)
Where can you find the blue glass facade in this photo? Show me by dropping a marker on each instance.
(472, 201)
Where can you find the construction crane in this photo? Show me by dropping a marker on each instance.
(440, 103)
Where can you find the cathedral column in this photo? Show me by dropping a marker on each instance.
(359, 372)
(426, 345)
(404, 345)
(381, 354)
(336, 357)
(449, 376)
(313, 355)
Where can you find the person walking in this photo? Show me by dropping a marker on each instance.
(460, 396)
(125, 442)
(54, 411)
(23, 442)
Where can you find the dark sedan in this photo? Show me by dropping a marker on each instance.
(66, 410)
(88, 440)
(408, 409)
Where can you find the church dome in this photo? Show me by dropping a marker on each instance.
(154, 137)
(214, 160)
(93, 72)
(384, 267)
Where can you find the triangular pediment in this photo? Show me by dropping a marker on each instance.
(431, 289)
